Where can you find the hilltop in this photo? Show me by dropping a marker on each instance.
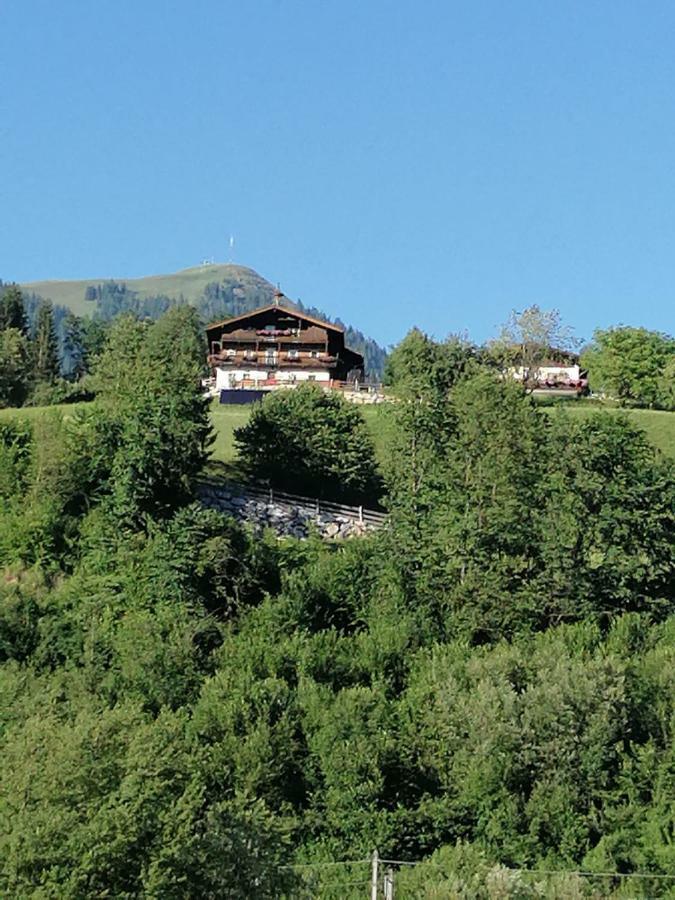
(188, 285)
(217, 290)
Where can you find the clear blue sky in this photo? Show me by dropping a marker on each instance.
(394, 163)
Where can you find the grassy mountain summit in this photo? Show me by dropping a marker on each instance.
(188, 284)
(217, 290)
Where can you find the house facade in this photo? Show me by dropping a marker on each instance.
(551, 372)
(561, 372)
(276, 346)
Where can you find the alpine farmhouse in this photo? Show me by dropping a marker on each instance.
(277, 346)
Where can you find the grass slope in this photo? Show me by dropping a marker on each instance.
(226, 418)
(189, 284)
(659, 426)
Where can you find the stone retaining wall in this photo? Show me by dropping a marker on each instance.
(285, 517)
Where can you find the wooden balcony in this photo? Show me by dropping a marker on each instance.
(280, 361)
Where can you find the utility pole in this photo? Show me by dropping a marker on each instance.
(373, 880)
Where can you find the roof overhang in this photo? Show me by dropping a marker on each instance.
(276, 308)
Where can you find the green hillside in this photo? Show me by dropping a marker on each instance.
(188, 284)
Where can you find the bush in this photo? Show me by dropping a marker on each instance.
(309, 441)
(58, 392)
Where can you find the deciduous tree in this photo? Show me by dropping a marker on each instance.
(309, 441)
(629, 364)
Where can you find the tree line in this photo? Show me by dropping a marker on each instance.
(191, 710)
(630, 365)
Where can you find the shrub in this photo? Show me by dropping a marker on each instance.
(309, 441)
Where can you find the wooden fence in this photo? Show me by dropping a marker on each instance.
(313, 507)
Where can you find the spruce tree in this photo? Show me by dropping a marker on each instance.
(12, 310)
(45, 346)
(74, 351)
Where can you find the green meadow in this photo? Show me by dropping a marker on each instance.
(659, 425)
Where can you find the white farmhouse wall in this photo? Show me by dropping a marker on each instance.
(550, 373)
(229, 378)
(304, 375)
(232, 378)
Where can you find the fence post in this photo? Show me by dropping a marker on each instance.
(271, 495)
(389, 884)
(374, 875)
(361, 515)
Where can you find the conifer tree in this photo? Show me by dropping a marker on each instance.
(45, 345)
(14, 367)
(75, 356)
(12, 310)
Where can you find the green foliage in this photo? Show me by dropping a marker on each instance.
(114, 802)
(150, 431)
(12, 311)
(504, 519)
(309, 441)
(608, 526)
(39, 519)
(46, 366)
(418, 364)
(189, 710)
(14, 367)
(59, 392)
(631, 365)
(666, 386)
(15, 450)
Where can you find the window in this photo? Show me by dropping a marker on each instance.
(311, 378)
(293, 354)
(230, 352)
(314, 354)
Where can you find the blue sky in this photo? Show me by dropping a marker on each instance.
(393, 163)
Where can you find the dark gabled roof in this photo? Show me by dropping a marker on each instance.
(271, 306)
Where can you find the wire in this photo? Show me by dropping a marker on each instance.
(321, 865)
(421, 862)
(597, 874)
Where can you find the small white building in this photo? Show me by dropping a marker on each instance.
(551, 373)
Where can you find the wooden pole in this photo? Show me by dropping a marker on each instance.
(373, 880)
(389, 884)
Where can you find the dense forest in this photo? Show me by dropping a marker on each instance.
(487, 684)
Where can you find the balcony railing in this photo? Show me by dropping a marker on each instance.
(272, 361)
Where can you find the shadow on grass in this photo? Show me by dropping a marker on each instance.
(224, 471)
